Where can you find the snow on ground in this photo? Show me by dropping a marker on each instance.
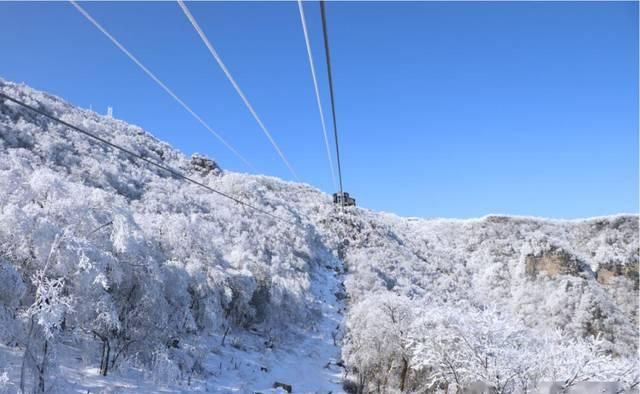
(242, 365)
(309, 364)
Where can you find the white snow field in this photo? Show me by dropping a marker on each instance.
(117, 277)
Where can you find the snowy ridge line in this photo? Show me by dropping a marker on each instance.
(159, 82)
(216, 56)
(172, 171)
(510, 217)
(315, 86)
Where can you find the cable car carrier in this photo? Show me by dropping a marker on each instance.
(343, 198)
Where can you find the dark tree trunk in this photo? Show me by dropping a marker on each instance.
(226, 331)
(362, 382)
(106, 354)
(42, 368)
(403, 374)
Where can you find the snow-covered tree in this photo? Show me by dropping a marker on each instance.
(377, 346)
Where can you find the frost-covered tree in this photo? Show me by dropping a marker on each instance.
(377, 346)
(456, 349)
(46, 317)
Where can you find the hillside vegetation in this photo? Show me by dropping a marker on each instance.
(503, 300)
(115, 275)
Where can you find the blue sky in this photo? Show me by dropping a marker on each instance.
(446, 109)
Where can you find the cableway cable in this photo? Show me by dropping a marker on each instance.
(333, 105)
(159, 82)
(218, 59)
(168, 169)
(315, 86)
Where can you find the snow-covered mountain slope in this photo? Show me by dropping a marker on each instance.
(561, 293)
(160, 273)
(109, 266)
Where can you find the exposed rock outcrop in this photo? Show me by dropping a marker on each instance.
(204, 165)
(286, 387)
(606, 273)
(554, 262)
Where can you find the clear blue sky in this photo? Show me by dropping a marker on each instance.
(445, 109)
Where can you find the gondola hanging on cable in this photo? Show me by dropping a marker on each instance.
(343, 199)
